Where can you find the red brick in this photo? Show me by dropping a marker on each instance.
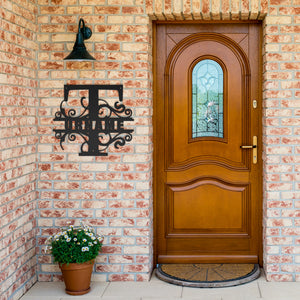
(278, 39)
(108, 176)
(121, 203)
(131, 213)
(104, 10)
(291, 231)
(121, 277)
(108, 268)
(290, 29)
(108, 195)
(108, 214)
(121, 222)
(111, 249)
(52, 213)
(279, 277)
(65, 204)
(122, 241)
(290, 66)
(106, 47)
(107, 28)
(136, 268)
(123, 259)
(121, 186)
(279, 259)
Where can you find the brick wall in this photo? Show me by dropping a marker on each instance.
(281, 94)
(114, 193)
(119, 202)
(111, 193)
(18, 139)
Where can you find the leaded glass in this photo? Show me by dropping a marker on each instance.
(207, 99)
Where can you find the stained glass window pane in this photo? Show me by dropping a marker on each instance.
(207, 99)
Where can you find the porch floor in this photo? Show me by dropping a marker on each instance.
(156, 289)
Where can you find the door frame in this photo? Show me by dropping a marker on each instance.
(155, 117)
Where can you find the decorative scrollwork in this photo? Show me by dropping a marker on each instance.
(121, 140)
(100, 124)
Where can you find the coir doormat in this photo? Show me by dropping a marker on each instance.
(208, 275)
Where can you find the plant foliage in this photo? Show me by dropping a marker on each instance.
(74, 244)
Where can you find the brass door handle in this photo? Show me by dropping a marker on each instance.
(254, 147)
(248, 147)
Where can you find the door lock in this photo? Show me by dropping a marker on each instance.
(254, 147)
(254, 103)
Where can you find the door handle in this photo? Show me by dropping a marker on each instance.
(254, 147)
(248, 147)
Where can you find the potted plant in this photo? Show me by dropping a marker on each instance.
(75, 249)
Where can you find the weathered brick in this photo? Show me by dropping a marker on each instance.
(121, 277)
(278, 20)
(121, 259)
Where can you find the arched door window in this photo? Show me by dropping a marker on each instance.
(207, 99)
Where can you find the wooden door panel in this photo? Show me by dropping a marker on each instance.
(206, 189)
(201, 170)
(186, 151)
(196, 208)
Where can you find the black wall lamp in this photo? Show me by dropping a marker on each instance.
(79, 51)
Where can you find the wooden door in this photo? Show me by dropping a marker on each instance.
(207, 189)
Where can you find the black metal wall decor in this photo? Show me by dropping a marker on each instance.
(98, 123)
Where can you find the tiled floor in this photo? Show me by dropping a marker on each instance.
(159, 290)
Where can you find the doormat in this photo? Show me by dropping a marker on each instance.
(208, 275)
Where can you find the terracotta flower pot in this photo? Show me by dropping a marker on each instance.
(77, 277)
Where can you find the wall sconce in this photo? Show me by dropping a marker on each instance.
(79, 51)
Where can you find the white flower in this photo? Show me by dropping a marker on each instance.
(84, 249)
(90, 244)
(68, 240)
(75, 239)
(95, 242)
(84, 240)
(93, 238)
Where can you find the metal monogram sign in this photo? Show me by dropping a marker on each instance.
(98, 123)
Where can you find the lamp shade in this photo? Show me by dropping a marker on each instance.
(79, 51)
